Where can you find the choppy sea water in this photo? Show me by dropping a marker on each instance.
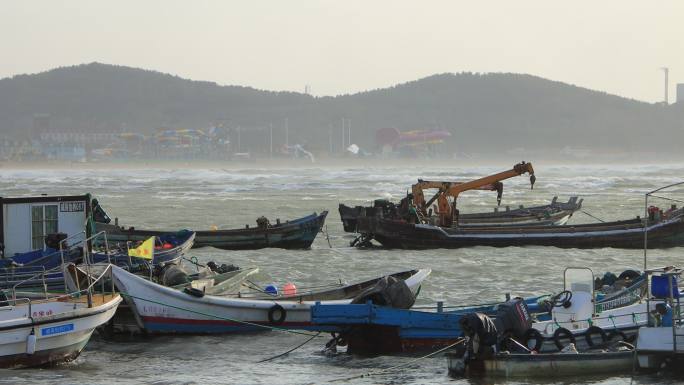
(230, 198)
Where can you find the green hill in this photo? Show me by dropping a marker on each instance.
(484, 112)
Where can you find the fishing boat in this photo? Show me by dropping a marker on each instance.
(359, 219)
(660, 344)
(169, 247)
(162, 310)
(206, 282)
(295, 234)
(664, 231)
(38, 268)
(543, 365)
(618, 311)
(52, 329)
(491, 348)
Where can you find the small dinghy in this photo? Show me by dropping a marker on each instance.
(491, 348)
(36, 332)
(505, 364)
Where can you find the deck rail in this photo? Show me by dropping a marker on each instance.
(673, 274)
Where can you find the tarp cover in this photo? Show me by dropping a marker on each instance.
(388, 291)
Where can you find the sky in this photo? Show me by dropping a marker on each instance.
(347, 46)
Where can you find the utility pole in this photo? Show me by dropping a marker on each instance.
(343, 136)
(287, 133)
(238, 130)
(667, 73)
(330, 142)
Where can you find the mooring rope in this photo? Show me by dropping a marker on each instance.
(275, 328)
(598, 219)
(383, 371)
(291, 350)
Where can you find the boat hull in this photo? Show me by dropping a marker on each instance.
(60, 336)
(296, 234)
(542, 365)
(623, 234)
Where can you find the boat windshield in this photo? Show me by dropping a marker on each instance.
(579, 279)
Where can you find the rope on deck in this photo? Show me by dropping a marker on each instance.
(400, 366)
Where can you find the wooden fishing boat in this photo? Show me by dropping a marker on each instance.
(371, 329)
(629, 234)
(356, 219)
(296, 234)
(161, 310)
(35, 332)
(543, 364)
(169, 248)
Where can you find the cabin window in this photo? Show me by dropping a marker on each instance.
(43, 222)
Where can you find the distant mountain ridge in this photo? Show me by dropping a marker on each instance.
(484, 112)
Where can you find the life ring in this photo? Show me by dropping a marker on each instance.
(562, 334)
(617, 333)
(277, 308)
(533, 334)
(593, 330)
(194, 292)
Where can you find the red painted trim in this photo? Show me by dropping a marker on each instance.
(188, 321)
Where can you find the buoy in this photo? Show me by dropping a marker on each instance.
(167, 246)
(271, 289)
(289, 289)
(31, 343)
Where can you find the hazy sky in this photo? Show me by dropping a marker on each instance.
(347, 46)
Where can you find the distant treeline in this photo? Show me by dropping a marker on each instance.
(484, 112)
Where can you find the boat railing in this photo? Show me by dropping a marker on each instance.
(102, 278)
(41, 275)
(672, 275)
(87, 256)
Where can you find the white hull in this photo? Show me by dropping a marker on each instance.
(160, 309)
(58, 336)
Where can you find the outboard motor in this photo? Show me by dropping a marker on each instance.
(513, 317)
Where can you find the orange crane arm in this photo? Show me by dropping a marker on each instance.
(518, 169)
(445, 210)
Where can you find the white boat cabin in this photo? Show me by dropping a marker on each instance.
(27, 221)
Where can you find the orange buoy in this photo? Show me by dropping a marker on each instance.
(289, 289)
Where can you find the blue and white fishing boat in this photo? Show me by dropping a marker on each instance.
(589, 319)
(44, 330)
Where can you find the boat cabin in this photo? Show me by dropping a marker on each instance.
(27, 221)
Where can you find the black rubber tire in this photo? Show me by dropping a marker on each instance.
(533, 334)
(562, 334)
(631, 274)
(617, 333)
(593, 330)
(277, 308)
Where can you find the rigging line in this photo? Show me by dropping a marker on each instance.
(381, 371)
(220, 317)
(598, 219)
(291, 350)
